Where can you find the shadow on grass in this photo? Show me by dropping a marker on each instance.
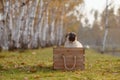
(117, 69)
(2, 56)
(28, 70)
(34, 69)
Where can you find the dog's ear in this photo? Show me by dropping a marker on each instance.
(67, 34)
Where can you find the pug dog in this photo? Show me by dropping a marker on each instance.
(71, 41)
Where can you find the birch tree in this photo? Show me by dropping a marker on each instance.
(33, 23)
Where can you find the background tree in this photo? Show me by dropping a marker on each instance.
(34, 23)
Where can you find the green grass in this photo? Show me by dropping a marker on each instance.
(37, 65)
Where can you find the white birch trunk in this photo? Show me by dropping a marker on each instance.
(52, 35)
(26, 33)
(40, 23)
(34, 41)
(31, 22)
(19, 27)
(1, 35)
(61, 31)
(20, 24)
(45, 30)
(5, 28)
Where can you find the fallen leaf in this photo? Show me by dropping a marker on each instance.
(25, 78)
(37, 76)
(34, 53)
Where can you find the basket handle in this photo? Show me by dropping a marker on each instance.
(65, 65)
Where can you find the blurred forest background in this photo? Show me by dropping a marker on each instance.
(40, 23)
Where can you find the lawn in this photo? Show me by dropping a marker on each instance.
(38, 65)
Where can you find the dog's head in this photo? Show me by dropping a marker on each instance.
(71, 36)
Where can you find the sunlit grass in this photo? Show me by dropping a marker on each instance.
(38, 65)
